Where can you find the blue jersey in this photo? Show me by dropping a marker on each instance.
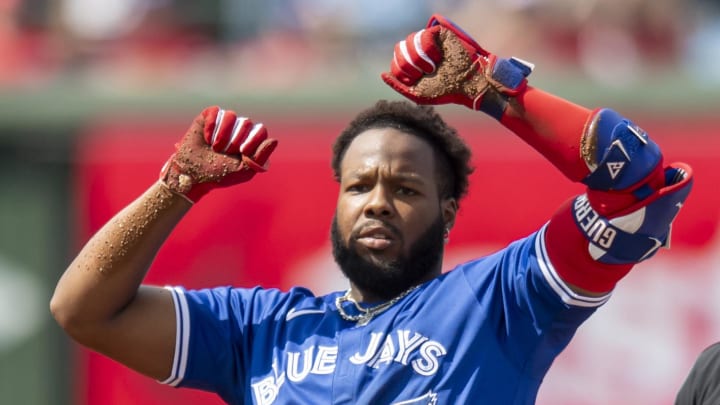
(485, 332)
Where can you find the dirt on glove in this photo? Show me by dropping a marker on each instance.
(457, 73)
(588, 143)
(195, 162)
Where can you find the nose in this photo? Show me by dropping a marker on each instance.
(379, 203)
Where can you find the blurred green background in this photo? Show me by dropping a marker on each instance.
(65, 64)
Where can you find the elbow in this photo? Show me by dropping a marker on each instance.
(67, 318)
(78, 319)
(60, 312)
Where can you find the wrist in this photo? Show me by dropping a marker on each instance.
(502, 79)
(491, 102)
(177, 182)
(174, 193)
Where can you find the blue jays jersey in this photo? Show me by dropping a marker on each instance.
(485, 332)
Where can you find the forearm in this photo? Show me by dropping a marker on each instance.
(105, 276)
(631, 196)
(623, 218)
(551, 125)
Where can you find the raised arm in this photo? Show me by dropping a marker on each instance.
(631, 198)
(99, 300)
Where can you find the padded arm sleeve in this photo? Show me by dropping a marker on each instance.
(631, 200)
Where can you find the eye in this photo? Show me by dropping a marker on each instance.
(407, 191)
(358, 188)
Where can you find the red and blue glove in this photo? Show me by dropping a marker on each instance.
(442, 64)
(219, 149)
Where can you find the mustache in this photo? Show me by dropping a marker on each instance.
(355, 233)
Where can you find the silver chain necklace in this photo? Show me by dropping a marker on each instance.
(366, 314)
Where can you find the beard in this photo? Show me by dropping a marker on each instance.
(388, 278)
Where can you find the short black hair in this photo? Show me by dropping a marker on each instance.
(452, 155)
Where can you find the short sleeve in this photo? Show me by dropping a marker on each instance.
(213, 336)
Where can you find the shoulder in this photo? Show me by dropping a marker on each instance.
(710, 357)
(517, 253)
(701, 384)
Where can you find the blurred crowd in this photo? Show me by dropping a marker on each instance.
(280, 43)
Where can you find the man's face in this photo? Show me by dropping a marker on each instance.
(388, 228)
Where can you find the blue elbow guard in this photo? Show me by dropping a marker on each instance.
(638, 232)
(618, 153)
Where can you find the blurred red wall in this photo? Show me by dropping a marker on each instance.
(274, 232)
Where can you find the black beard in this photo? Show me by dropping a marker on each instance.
(387, 279)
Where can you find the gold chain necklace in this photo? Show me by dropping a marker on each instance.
(366, 314)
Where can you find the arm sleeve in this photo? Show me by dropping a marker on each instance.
(631, 197)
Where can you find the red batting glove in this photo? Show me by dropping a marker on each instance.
(219, 149)
(442, 64)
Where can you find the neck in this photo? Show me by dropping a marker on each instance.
(360, 295)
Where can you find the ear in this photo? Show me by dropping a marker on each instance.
(449, 209)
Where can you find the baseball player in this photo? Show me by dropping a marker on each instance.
(403, 332)
(702, 384)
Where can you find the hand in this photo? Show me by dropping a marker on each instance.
(219, 149)
(441, 64)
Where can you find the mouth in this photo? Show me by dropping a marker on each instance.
(376, 238)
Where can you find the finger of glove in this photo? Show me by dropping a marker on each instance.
(416, 56)
(255, 134)
(420, 49)
(241, 129)
(402, 68)
(259, 160)
(224, 130)
(402, 88)
(209, 118)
